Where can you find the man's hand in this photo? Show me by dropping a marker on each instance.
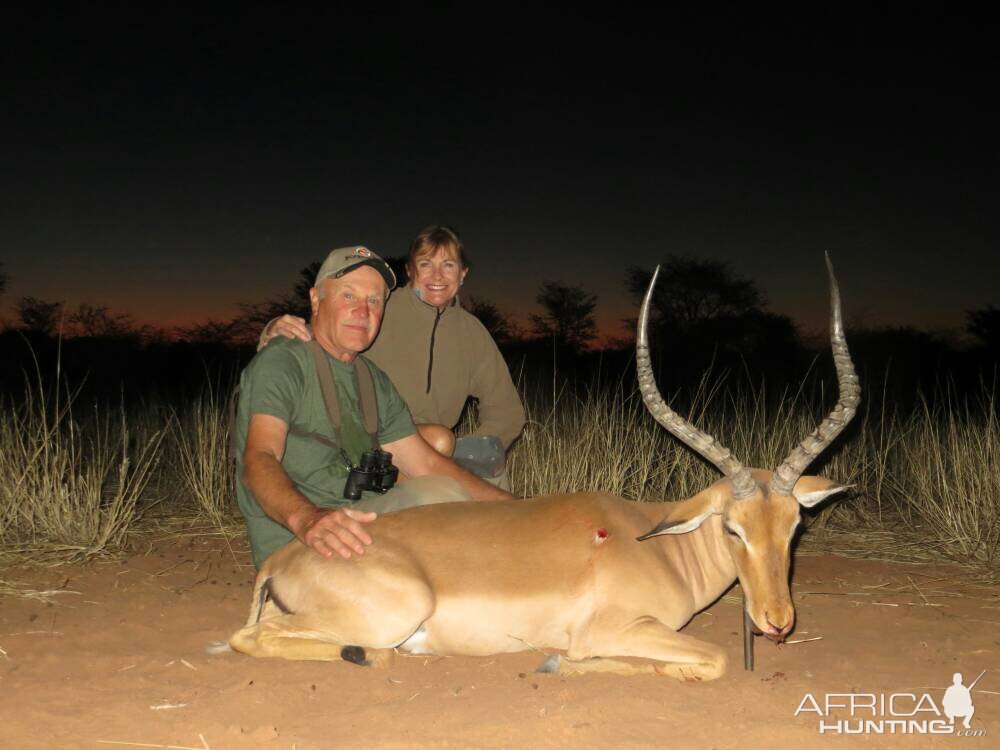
(289, 326)
(332, 530)
(326, 530)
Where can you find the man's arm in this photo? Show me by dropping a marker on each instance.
(326, 530)
(416, 458)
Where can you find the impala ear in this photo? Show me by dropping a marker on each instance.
(689, 514)
(666, 526)
(810, 491)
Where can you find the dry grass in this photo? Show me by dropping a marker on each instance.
(202, 442)
(69, 490)
(929, 480)
(599, 442)
(926, 486)
(607, 441)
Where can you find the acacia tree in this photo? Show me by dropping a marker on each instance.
(690, 293)
(99, 321)
(38, 316)
(568, 317)
(295, 302)
(702, 311)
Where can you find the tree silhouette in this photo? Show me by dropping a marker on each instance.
(39, 316)
(503, 330)
(984, 324)
(690, 293)
(254, 316)
(98, 321)
(568, 317)
(703, 312)
(215, 333)
(295, 302)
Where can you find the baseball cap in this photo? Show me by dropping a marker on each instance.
(346, 259)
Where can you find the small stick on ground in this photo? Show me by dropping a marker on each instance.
(204, 745)
(804, 640)
(912, 583)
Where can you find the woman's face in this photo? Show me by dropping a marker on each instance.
(437, 277)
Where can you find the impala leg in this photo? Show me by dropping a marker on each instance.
(564, 666)
(304, 638)
(675, 654)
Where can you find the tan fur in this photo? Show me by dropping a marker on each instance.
(559, 572)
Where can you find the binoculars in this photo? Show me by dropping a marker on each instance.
(375, 473)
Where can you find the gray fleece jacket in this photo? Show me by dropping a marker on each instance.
(438, 359)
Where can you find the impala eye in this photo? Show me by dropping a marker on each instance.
(730, 531)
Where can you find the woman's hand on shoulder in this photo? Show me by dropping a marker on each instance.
(289, 326)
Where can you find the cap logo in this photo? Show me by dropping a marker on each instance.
(363, 252)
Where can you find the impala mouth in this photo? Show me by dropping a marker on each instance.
(774, 632)
(775, 635)
(771, 631)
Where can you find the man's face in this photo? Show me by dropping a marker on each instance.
(346, 320)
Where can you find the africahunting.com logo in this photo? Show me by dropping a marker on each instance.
(895, 713)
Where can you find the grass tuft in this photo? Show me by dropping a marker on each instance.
(69, 490)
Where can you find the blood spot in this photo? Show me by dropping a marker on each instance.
(601, 535)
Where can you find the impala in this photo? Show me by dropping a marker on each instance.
(589, 574)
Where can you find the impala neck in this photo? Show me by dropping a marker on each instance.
(701, 557)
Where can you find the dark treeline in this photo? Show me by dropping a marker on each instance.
(706, 320)
(123, 368)
(703, 318)
(899, 366)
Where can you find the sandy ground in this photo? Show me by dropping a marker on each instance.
(120, 661)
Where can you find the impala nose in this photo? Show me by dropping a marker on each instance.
(777, 631)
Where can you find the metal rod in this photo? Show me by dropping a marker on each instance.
(747, 638)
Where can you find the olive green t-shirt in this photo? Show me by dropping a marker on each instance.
(281, 381)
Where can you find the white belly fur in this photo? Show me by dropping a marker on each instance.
(416, 643)
(500, 628)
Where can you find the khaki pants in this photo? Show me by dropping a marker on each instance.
(412, 493)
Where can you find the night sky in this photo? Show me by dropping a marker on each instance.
(171, 167)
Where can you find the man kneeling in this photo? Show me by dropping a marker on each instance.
(305, 420)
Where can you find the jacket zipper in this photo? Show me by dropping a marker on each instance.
(430, 359)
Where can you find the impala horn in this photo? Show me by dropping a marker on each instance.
(786, 475)
(699, 441)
